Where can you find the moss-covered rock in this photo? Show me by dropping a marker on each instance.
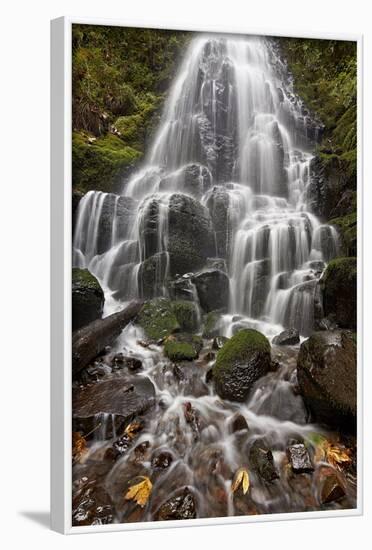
(339, 291)
(87, 298)
(186, 314)
(347, 228)
(100, 163)
(211, 324)
(240, 363)
(183, 347)
(326, 372)
(157, 319)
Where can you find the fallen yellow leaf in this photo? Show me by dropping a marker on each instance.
(132, 429)
(79, 446)
(140, 492)
(334, 454)
(241, 478)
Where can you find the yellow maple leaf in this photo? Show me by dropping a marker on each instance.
(132, 429)
(79, 446)
(338, 455)
(241, 478)
(140, 492)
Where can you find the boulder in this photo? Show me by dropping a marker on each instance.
(151, 275)
(331, 490)
(181, 506)
(187, 315)
(213, 289)
(288, 337)
(157, 319)
(240, 363)
(122, 399)
(190, 235)
(182, 288)
(339, 291)
(218, 203)
(87, 298)
(327, 377)
(219, 342)
(193, 179)
(211, 324)
(183, 347)
(262, 462)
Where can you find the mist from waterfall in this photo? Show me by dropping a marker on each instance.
(232, 133)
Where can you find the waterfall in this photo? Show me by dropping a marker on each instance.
(232, 138)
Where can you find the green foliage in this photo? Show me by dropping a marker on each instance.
(347, 227)
(242, 344)
(100, 164)
(339, 272)
(325, 77)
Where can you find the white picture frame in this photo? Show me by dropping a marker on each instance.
(61, 230)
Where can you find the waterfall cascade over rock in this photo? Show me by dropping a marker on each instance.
(226, 178)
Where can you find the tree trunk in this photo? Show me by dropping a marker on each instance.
(90, 340)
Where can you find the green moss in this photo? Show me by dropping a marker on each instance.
(100, 164)
(186, 315)
(157, 319)
(347, 227)
(82, 278)
(339, 272)
(241, 345)
(211, 323)
(183, 347)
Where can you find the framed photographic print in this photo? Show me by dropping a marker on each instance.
(206, 272)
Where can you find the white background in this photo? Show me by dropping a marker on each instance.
(24, 290)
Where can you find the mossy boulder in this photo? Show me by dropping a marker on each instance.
(157, 319)
(339, 291)
(211, 324)
(87, 298)
(101, 163)
(186, 314)
(183, 347)
(240, 363)
(327, 377)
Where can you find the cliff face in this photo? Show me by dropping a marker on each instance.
(119, 79)
(325, 76)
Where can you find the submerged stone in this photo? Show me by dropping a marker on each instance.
(262, 462)
(289, 337)
(299, 458)
(181, 506)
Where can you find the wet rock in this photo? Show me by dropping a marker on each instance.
(186, 314)
(120, 361)
(211, 324)
(182, 288)
(192, 417)
(121, 399)
(182, 506)
(339, 290)
(91, 504)
(288, 337)
(209, 376)
(219, 342)
(326, 372)
(183, 347)
(190, 238)
(218, 204)
(161, 460)
(157, 318)
(213, 289)
(194, 179)
(141, 452)
(262, 462)
(240, 363)
(87, 298)
(216, 263)
(151, 275)
(238, 423)
(332, 490)
(299, 458)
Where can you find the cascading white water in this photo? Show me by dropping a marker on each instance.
(231, 127)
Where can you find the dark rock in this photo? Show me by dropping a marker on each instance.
(182, 506)
(326, 372)
(219, 342)
(211, 324)
(339, 289)
(91, 504)
(75, 200)
(190, 238)
(299, 458)
(288, 337)
(121, 361)
(151, 275)
(192, 417)
(87, 298)
(193, 179)
(161, 460)
(332, 490)
(216, 263)
(238, 423)
(122, 399)
(240, 363)
(209, 376)
(262, 462)
(213, 289)
(182, 288)
(218, 202)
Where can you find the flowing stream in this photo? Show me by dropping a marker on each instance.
(233, 134)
